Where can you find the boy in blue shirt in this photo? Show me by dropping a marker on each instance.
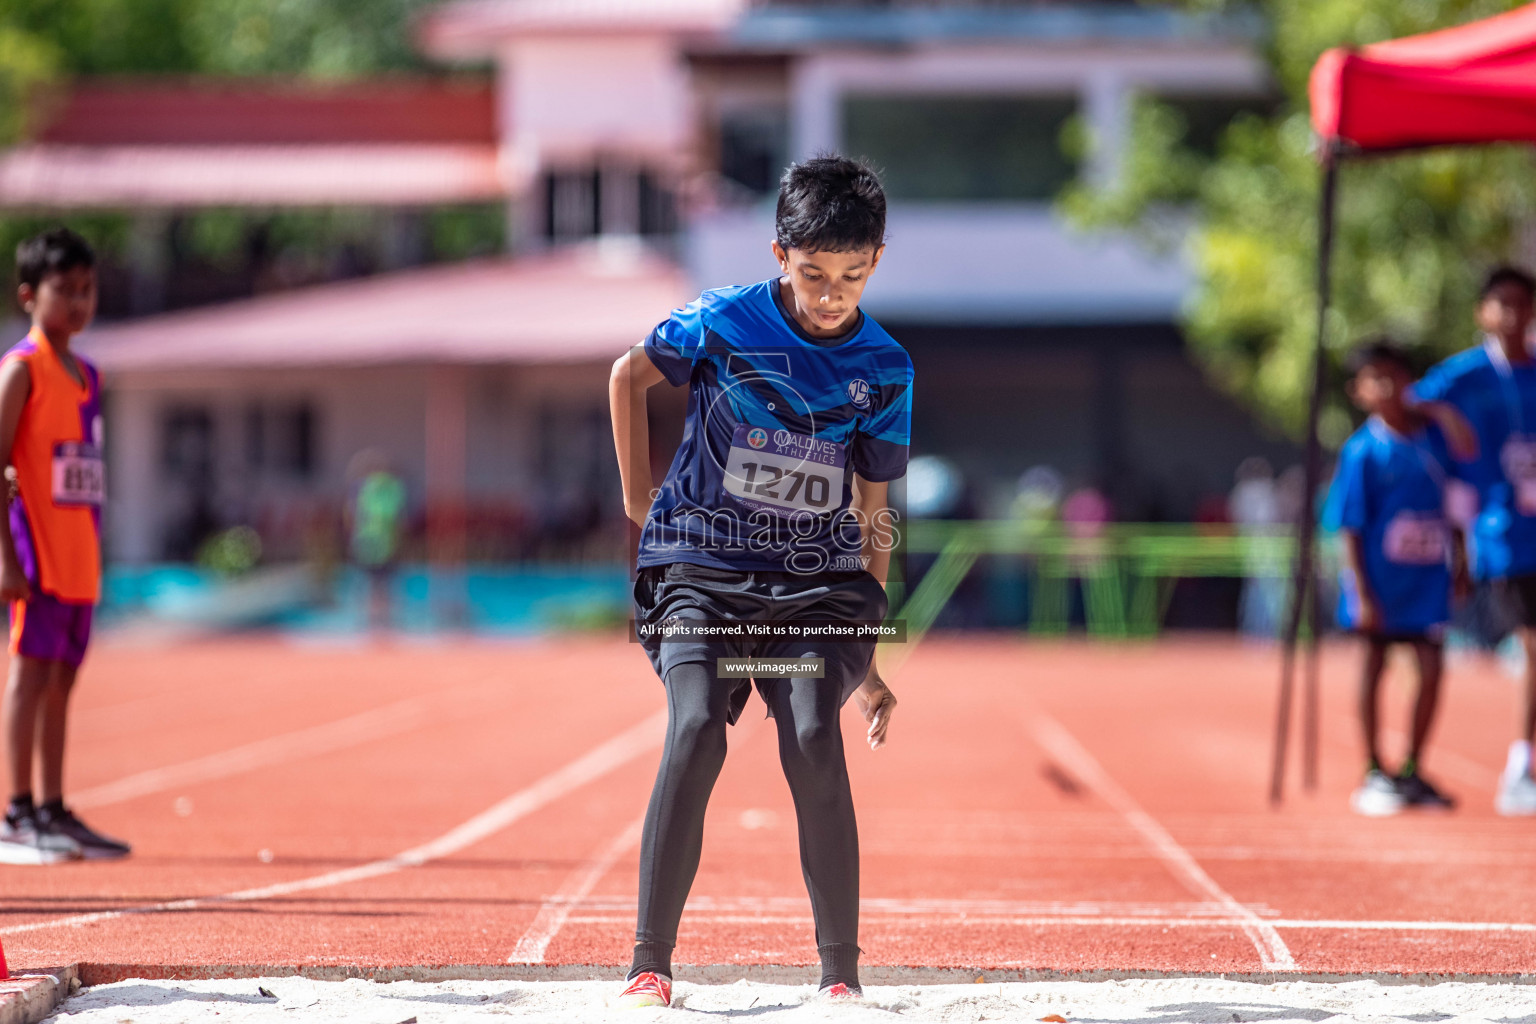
(1387, 501)
(773, 516)
(1493, 386)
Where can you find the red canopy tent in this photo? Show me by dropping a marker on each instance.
(1469, 85)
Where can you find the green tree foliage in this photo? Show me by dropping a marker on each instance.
(45, 39)
(314, 38)
(27, 61)
(1415, 231)
(321, 38)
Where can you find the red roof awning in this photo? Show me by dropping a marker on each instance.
(1471, 84)
(255, 142)
(255, 112)
(134, 177)
(576, 306)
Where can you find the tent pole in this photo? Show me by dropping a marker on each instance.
(1304, 572)
(1311, 683)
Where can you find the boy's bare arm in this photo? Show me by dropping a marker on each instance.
(1459, 435)
(1461, 575)
(1354, 560)
(876, 524)
(875, 700)
(633, 375)
(15, 387)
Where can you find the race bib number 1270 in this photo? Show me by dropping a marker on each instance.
(783, 472)
(79, 477)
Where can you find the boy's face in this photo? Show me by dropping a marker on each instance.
(827, 285)
(63, 301)
(1505, 312)
(1378, 387)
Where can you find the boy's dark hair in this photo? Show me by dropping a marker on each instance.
(52, 252)
(1504, 274)
(830, 204)
(1380, 349)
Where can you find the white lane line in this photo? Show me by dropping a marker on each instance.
(1045, 921)
(367, 726)
(592, 765)
(556, 909)
(321, 739)
(936, 908)
(1050, 734)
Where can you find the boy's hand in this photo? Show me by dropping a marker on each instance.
(876, 702)
(637, 510)
(1459, 435)
(1370, 613)
(13, 583)
(1461, 582)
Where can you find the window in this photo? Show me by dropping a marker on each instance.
(571, 207)
(583, 203)
(186, 443)
(1207, 116)
(753, 144)
(962, 147)
(280, 439)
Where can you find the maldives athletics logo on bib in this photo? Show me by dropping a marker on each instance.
(757, 437)
(858, 393)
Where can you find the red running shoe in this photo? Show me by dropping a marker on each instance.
(841, 993)
(647, 989)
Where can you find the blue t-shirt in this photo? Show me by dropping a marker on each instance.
(1390, 489)
(1499, 401)
(778, 422)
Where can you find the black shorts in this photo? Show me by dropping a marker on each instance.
(681, 590)
(1518, 596)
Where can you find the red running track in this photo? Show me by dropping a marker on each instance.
(1049, 806)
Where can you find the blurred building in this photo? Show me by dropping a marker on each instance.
(633, 151)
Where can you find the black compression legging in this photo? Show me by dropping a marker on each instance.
(811, 751)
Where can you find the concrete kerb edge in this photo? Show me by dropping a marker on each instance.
(27, 997)
(717, 974)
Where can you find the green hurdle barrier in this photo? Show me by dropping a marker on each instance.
(1127, 571)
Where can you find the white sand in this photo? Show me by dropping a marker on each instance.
(1156, 1002)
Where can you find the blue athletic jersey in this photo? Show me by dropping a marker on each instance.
(1499, 401)
(1390, 490)
(778, 423)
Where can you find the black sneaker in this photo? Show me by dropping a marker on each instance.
(93, 845)
(1417, 792)
(21, 842)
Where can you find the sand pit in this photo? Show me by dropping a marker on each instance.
(1164, 1001)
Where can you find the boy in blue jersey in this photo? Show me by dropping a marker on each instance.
(772, 516)
(1493, 386)
(1388, 501)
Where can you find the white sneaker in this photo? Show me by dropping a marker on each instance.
(22, 843)
(1377, 797)
(1517, 795)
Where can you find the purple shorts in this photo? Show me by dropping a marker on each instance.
(46, 628)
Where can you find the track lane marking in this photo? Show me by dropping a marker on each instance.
(556, 908)
(593, 765)
(326, 738)
(951, 921)
(1053, 736)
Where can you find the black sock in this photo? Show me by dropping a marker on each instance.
(651, 956)
(20, 807)
(51, 808)
(839, 963)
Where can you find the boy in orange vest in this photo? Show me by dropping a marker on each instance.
(50, 546)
